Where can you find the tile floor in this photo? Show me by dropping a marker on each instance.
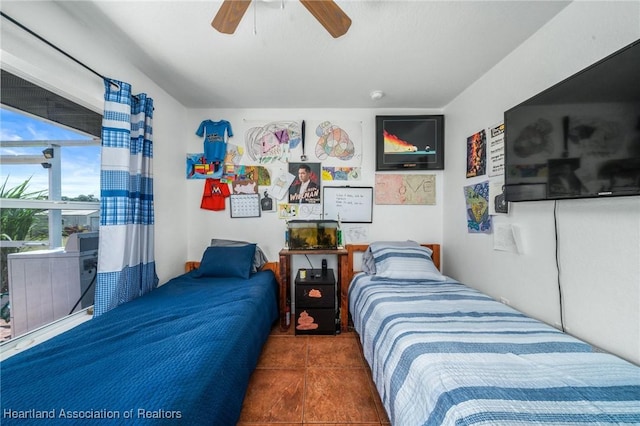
(312, 380)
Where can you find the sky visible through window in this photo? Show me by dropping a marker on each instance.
(80, 164)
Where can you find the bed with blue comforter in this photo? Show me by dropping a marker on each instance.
(442, 353)
(181, 354)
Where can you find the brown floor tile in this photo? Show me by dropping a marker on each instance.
(338, 395)
(274, 395)
(282, 351)
(342, 424)
(312, 380)
(382, 413)
(271, 424)
(334, 352)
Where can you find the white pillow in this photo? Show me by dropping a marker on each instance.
(368, 262)
(398, 263)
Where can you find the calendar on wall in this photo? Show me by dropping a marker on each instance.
(245, 205)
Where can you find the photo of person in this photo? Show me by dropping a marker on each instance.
(306, 186)
(266, 203)
(500, 202)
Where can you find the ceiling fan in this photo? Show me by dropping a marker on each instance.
(329, 14)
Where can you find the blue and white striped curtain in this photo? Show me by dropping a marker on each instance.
(126, 263)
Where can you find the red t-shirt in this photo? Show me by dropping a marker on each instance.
(214, 194)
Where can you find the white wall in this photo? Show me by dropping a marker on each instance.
(421, 223)
(27, 57)
(598, 240)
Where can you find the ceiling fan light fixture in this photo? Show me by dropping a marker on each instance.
(376, 95)
(327, 12)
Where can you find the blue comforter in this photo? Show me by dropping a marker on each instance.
(182, 354)
(442, 353)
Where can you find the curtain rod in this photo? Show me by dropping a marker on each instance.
(4, 15)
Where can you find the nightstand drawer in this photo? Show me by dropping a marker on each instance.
(315, 277)
(315, 321)
(316, 296)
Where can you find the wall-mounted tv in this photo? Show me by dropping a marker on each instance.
(579, 138)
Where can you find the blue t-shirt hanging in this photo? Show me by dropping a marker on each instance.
(215, 140)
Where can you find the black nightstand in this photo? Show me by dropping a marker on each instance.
(315, 308)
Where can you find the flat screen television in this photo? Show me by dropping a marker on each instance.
(581, 137)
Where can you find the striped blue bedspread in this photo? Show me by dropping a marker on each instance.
(442, 353)
(179, 355)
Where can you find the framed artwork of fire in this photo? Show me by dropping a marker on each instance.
(409, 142)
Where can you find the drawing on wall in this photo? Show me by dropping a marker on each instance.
(244, 187)
(271, 142)
(405, 189)
(287, 211)
(477, 154)
(495, 157)
(336, 144)
(197, 167)
(341, 173)
(309, 212)
(477, 203)
(234, 154)
(356, 234)
(306, 186)
(259, 174)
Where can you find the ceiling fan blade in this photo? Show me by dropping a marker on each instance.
(228, 17)
(330, 16)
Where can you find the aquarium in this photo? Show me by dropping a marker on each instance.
(312, 234)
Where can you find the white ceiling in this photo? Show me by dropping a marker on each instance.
(421, 54)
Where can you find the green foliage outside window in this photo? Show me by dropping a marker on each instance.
(15, 225)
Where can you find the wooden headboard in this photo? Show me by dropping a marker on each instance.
(352, 249)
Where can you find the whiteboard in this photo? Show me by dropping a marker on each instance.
(353, 204)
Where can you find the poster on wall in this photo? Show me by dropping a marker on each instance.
(496, 150)
(477, 203)
(409, 142)
(305, 188)
(476, 154)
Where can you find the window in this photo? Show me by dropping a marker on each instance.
(50, 181)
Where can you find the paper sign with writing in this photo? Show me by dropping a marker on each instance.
(405, 189)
